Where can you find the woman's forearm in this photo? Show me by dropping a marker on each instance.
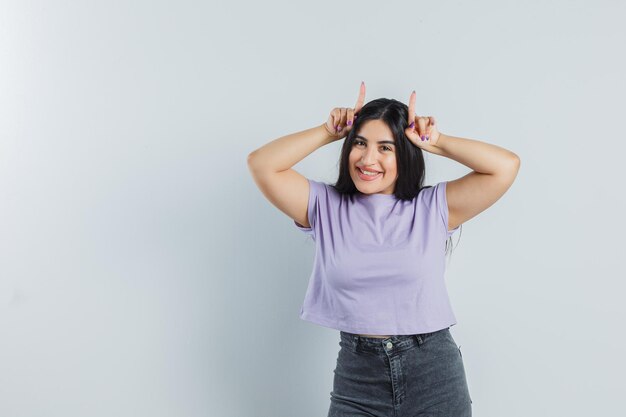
(286, 151)
(480, 156)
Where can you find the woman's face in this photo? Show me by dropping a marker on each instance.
(370, 154)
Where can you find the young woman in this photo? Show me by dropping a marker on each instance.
(381, 238)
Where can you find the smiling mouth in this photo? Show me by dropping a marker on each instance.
(368, 170)
(366, 176)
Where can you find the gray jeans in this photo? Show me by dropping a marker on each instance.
(400, 376)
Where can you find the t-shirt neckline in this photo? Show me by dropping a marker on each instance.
(376, 196)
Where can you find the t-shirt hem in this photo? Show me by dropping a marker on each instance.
(361, 329)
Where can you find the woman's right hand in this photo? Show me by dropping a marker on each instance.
(341, 119)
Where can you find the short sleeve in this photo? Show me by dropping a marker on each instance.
(317, 195)
(442, 206)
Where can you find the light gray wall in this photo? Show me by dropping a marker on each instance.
(143, 273)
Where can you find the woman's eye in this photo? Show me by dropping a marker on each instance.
(360, 142)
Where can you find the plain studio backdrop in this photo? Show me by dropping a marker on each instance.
(143, 273)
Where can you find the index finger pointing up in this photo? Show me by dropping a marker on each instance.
(412, 108)
(361, 100)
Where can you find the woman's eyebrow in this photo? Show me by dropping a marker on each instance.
(380, 141)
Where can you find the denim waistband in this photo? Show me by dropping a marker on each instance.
(380, 345)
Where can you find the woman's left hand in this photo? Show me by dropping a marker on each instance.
(422, 131)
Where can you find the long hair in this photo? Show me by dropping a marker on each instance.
(409, 158)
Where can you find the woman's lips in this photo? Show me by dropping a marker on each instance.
(367, 177)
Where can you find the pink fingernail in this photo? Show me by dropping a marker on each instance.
(412, 125)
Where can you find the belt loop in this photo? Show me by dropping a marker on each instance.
(419, 339)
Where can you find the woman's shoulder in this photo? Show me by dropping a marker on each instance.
(324, 188)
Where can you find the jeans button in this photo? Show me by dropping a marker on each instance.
(389, 345)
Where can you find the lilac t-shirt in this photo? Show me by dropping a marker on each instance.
(379, 261)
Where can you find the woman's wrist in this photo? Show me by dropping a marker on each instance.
(438, 148)
(331, 137)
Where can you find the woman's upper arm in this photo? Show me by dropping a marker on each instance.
(287, 190)
(475, 192)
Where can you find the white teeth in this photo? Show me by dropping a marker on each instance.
(370, 173)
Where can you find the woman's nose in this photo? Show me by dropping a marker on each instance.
(368, 158)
